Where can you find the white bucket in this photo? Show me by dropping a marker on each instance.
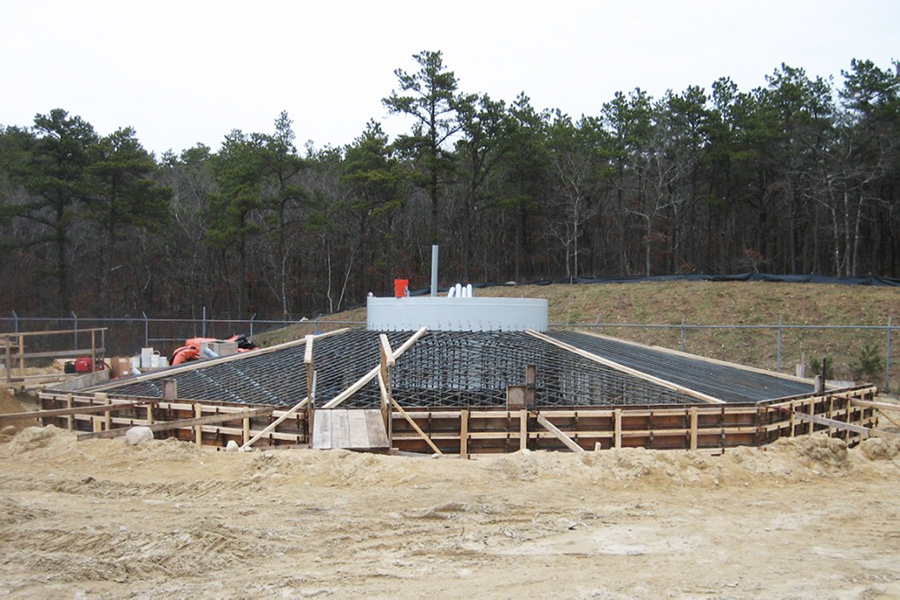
(146, 358)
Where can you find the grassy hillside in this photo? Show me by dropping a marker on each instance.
(605, 306)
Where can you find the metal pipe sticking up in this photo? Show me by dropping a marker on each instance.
(434, 269)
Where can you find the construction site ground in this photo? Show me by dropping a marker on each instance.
(803, 518)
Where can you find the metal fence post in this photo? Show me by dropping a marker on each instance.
(15, 322)
(75, 327)
(146, 330)
(253, 316)
(682, 332)
(887, 359)
(203, 324)
(779, 343)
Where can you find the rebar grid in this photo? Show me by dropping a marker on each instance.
(473, 369)
(728, 383)
(467, 369)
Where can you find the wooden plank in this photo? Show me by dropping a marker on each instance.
(878, 405)
(386, 353)
(378, 438)
(358, 434)
(569, 442)
(322, 433)
(340, 429)
(628, 370)
(23, 334)
(416, 427)
(169, 425)
(308, 351)
(65, 353)
(846, 426)
(76, 410)
(275, 423)
(464, 434)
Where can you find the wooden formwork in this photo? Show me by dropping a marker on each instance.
(14, 354)
(848, 414)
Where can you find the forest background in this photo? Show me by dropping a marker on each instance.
(797, 176)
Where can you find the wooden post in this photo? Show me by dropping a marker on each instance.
(8, 359)
(149, 414)
(812, 411)
(93, 351)
(387, 361)
(246, 436)
(198, 429)
(530, 380)
(309, 361)
(694, 428)
(102, 398)
(170, 389)
(617, 428)
(830, 414)
(70, 418)
(463, 434)
(22, 355)
(849, 411)
(523, 429)
(793, 420)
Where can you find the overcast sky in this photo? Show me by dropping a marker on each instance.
(191, 71)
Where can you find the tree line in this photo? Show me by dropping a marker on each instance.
(797, 176)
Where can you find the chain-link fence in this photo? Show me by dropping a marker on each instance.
(851, 352)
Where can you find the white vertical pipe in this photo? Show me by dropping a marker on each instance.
(434, 269)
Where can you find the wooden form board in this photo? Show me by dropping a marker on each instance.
(472, 431)
(350, 429)
(169, 425)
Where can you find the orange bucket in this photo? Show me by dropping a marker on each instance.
(401, 288)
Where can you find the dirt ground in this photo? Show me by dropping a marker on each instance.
(804, 518)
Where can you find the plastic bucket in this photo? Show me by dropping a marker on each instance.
(401, 288)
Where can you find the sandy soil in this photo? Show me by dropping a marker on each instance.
(806, 518)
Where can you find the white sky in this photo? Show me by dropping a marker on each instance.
(191, 71)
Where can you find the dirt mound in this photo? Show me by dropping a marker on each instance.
(10, 404)
(31, 439)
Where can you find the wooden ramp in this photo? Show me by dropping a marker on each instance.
(351, 429)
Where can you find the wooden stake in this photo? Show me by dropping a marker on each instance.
(812, 411)
(464, 433)
(523, 429)
(198, 429)
(102, 398)
(8, 345)
(693, 428)
(617, 427)
(71, 418)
